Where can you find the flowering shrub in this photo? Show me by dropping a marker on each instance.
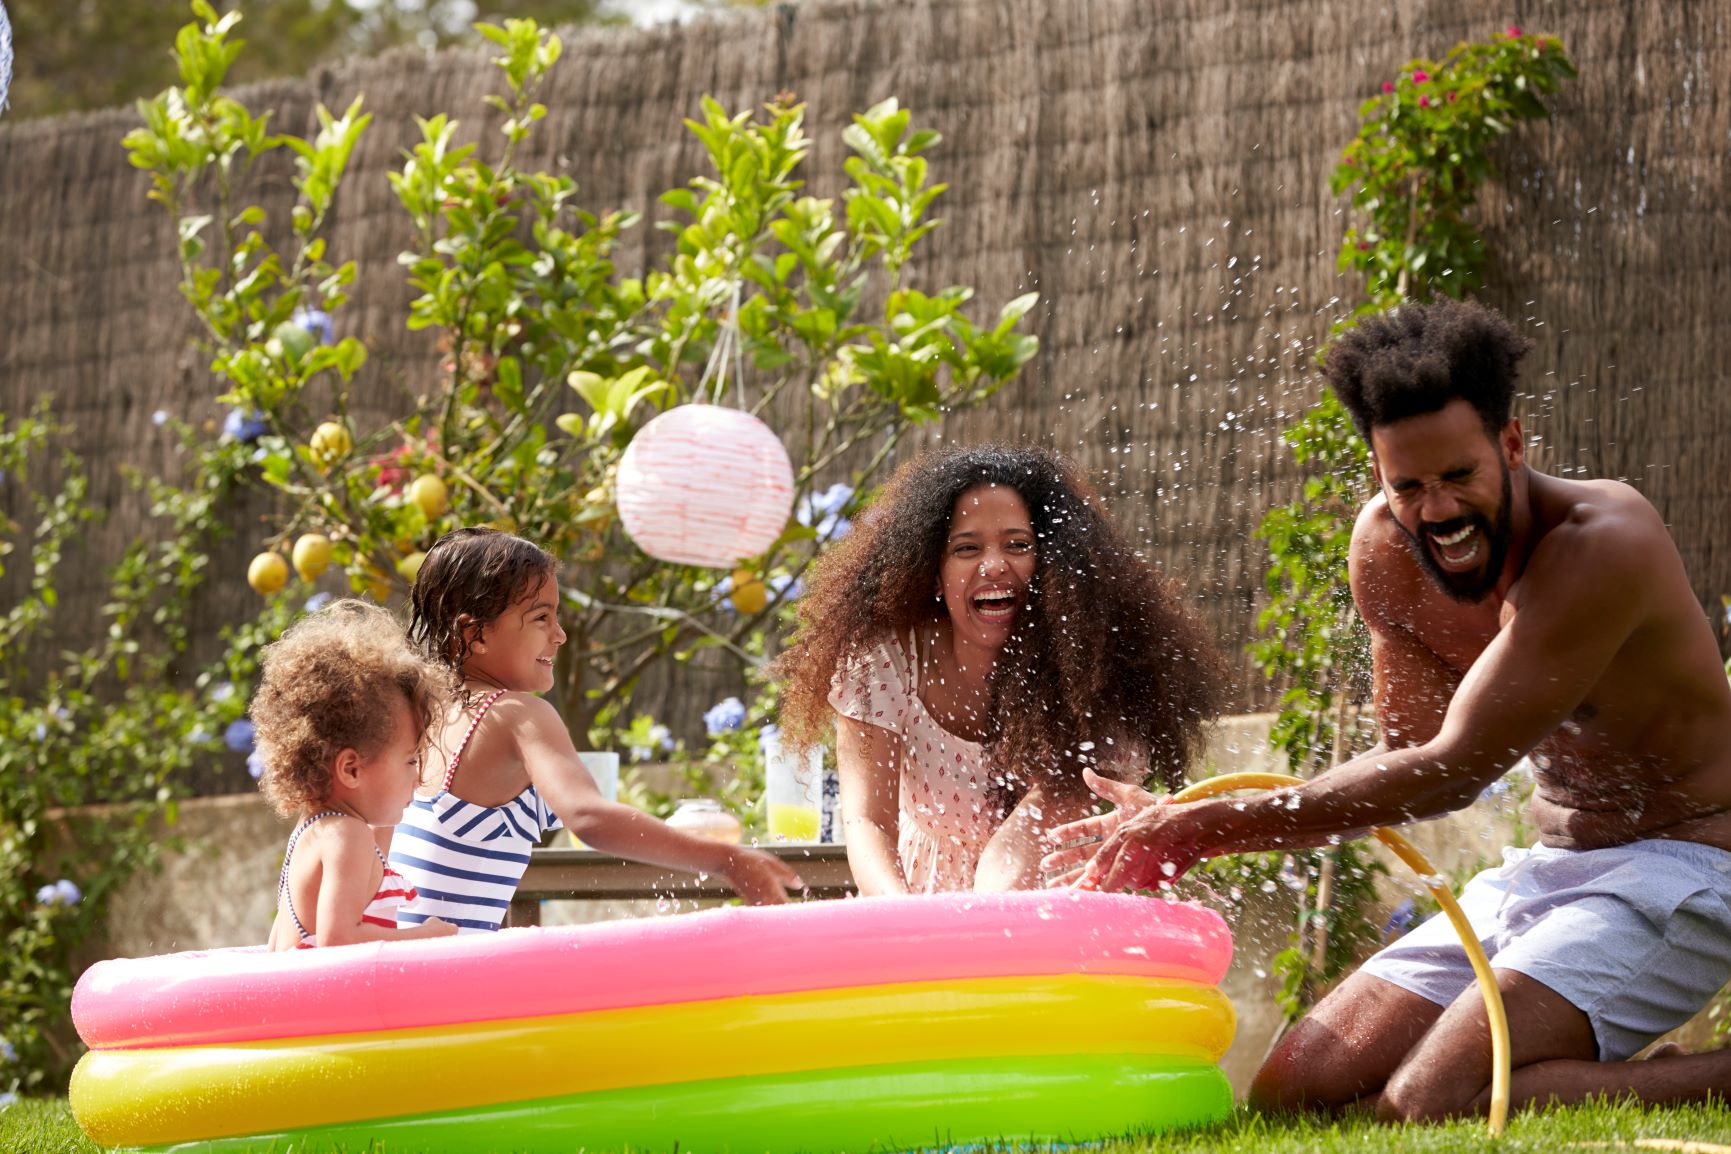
(552, 359)
(1423, 149)
(730, 768)
(1414, 169)
(724, 716)
(112, 724)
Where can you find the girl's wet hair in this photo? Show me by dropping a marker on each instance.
(1105, 660)
(325, 686)
(469, 577)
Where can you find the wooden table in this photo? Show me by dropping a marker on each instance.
(588, 875)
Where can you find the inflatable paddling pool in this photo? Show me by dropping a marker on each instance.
(882, 1023)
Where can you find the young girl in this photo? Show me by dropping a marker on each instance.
(501, 764)
(983, 638)
(341, 711)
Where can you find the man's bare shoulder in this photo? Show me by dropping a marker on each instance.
(1614, 505)
(1374, 531)
(1603, 527)
(1380, 564)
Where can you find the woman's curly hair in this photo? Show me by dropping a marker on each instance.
(325, 687)
(1104, 657)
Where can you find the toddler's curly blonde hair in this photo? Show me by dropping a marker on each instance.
(325, 686)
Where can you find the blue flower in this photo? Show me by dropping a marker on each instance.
(318, 601)
(659, 739)
(240, 735)
(831, 501)
(7, 1052)
(255, 764)
(61, 893)
(724, 716)
(1399, 920)
(245, 426)
(823, 512)
(222, 691)
(318, 323)
(5, 70)
(7, 1099)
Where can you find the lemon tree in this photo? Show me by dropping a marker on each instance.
(554, 357)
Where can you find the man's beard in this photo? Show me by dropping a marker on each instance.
(1474, 586)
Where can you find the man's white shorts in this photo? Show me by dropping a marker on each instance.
(1637, 937)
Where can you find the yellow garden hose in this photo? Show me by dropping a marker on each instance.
(1408, 853)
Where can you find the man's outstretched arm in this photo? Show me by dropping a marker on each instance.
(1583, 594)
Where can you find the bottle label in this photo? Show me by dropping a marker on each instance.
(830, 828)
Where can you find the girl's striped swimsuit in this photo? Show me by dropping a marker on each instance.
(465, 860)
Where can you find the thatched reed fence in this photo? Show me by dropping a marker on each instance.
(1157, 171)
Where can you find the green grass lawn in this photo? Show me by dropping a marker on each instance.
(45, 1126)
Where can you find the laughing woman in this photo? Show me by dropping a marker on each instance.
(983, 636)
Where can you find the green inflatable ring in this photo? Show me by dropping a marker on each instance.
(899, 1107)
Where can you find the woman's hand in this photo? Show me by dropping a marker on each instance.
(1080, 840)
(761, 879)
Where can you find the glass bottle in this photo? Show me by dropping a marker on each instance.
(705, 818)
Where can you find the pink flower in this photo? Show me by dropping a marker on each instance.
(1514, 31)
(1388, 86)
(1424, 102)
(1420, 76)
(1451, 98)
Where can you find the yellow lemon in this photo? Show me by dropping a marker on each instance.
(267, 573)
(330, 442)
(430, 494)
(312, 555)
(409, 567)
(749, 594)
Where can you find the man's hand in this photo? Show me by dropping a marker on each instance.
(1156, 846)
(1081, 839)
(760, 878)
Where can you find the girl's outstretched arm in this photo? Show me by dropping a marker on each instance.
(559, 776)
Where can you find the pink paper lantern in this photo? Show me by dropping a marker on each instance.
(705, 485)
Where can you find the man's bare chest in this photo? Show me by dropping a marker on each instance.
(1583, 747)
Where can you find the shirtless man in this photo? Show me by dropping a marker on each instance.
(1510, 613)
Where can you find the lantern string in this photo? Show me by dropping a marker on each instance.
(727, 352)
(738, 350)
